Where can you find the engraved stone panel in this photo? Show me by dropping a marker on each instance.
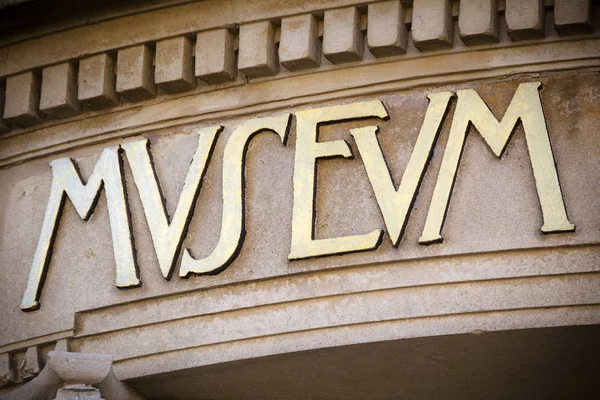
(494, 208)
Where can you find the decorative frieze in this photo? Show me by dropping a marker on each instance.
(296, 42)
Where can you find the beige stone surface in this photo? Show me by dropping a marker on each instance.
(386, 31)
(573, 17)
(258, 52)
(342, 37)
(525, 19)
(96, 82)
(300, 47)
(135, 73)
(59, 91)
(432, 24)
(215, 56)
(174, 71)
(478, 21)
(21, 105)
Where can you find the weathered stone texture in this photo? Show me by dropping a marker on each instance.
(175, 65)
(573, 17)
(135, 73)
(432, 25)
(386, 33)
(22, 99)
(478, 21)
(525, 19)
(215, 56)
(59, 91)
(258, 52)
(96, 89)
(342, 37)
(299, 47)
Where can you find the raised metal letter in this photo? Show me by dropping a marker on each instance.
(525, 106)
(395, 204)
(66, 182)
(168, 236)
(232, 225)
(308, 151)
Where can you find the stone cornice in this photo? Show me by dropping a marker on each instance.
(59, 78)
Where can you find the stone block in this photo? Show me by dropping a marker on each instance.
(573, 17)
(258, 52)
(386, 33)
(59, 91)
(299, 46)
(174, 70)
(478, 21)
(215, 56)
(432, 25)
(342, 37)
(96, 88)
(525, 19)
(4, 124)
(23, 99)
(135, 77)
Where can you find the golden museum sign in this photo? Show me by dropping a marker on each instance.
(168, 233)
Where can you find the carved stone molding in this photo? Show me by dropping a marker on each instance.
(226, 51)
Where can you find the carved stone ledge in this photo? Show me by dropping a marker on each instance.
(260, 54)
